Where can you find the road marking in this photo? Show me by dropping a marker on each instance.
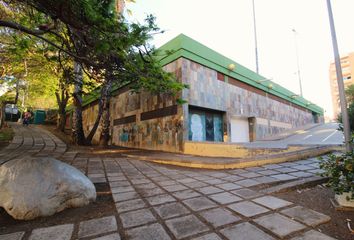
(307, 137)
(330, 135)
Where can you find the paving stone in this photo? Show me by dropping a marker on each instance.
(272, 202)
(12, 236)
(97, 226)
(186, 226)
(118, 197)
(186, 180)
(237, 171)
(313, 235)
(272, 166)
(268, 172)
(301, 174)
(130, 205)
(60, 232)
(249, 175)
(289, 164)
(140, 181)
(307, 161)
(167, 183)
(203, 178)
(246, 193)
(160, 199)
(114, 236)
(199, 203)
(279, 225)
(316, 171)
(303, 167)
(248, 209)
(150, 232)
(265, 180)
(286, 170)
(119, 184)
(146, 186)
(98, 180)
(229, 186)
(175, 188)
(150, 192)
(171, 210)
(197, 184)
(116, 178)
(247, 183)
(307, 216)
(211, 236)
(245, 231)
(219, 174)
(121, 189)
(218, 217)
(283, 177)
(136, 218)
(233, 178)
(254, 169)
(225, 197)
(185, 194)
(214, 181)
(209, 190)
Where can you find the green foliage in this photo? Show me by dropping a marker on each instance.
(6, 134)
(349, 93)
(340, 171)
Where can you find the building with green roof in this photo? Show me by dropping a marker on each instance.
(226, 102)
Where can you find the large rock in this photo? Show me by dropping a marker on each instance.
(34, 187)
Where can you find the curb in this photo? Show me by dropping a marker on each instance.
(298, 184)
(239, 163)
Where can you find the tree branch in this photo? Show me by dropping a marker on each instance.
(38, 33)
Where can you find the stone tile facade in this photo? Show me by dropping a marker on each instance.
(146, 128)
(206, 91)
(156, 122)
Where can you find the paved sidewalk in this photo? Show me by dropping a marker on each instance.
(154, 201)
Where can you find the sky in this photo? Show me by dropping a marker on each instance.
(227, 27)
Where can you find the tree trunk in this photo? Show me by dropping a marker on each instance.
(106, 97)
(78, 135)
(62, 101)
(97, 121)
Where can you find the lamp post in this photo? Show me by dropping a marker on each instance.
(255, 35)
(297, 60)
(343, 101)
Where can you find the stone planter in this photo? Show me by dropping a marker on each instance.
(342, 199)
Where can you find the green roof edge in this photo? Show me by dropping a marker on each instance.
(186, 47)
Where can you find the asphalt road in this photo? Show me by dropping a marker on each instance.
(325, 134)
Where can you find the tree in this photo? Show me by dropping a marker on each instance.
(104, 44)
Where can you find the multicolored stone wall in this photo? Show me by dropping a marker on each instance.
(148, 121)
(208, 92)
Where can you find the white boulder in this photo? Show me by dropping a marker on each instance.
(34, 187)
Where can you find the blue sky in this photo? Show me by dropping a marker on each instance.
(227, 27)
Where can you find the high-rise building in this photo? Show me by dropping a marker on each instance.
(347, 63)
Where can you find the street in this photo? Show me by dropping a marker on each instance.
(325, 134)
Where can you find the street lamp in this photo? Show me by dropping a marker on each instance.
(343, 101)
(297, 60)
(255, 35)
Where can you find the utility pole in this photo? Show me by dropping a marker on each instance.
(343, 101)
(255, 35)
(297, 61)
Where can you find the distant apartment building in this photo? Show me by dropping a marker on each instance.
(347, 63)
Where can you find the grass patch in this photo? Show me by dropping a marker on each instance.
(6, 134)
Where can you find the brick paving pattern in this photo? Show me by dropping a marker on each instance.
(158, 202)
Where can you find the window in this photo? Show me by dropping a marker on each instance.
(205, 125)
(347, 78)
